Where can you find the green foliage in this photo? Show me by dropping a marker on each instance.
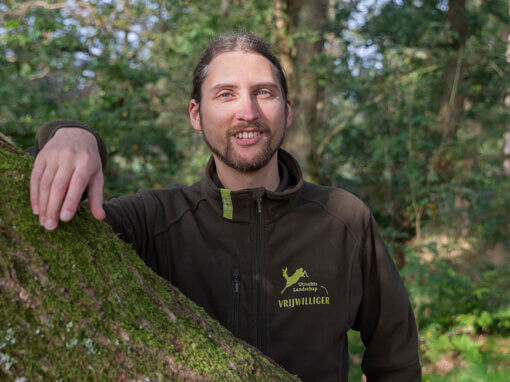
(125, 68)
(464, 319)
(463, 357)
(390, 88)
(356, 350)
(448, 294)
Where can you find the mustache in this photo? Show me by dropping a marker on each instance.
(258, 125)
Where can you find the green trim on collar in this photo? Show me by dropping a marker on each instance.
(228, 207)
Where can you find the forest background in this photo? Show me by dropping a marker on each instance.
(404, 103)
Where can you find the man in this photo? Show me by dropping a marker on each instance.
(286, 265)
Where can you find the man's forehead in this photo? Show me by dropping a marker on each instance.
(230, 67)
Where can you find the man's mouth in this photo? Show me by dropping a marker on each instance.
(247, 134)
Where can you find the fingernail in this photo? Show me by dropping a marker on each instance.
(42, 220)
(35, 210)
(65, 216)
(50, 224)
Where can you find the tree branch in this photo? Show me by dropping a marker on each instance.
(333, 133)
(23, 8)
(41, 74)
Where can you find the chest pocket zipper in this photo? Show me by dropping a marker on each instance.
(236, 276)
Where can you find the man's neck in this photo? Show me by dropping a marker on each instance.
(267, 177)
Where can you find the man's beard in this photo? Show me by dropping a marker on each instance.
(235, 161)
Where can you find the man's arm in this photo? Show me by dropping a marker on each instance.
(68, 161)
(385, 318)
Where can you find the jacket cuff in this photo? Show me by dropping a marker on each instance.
(48, 130)
(410, 373)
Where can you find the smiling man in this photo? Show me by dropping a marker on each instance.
(243, 112)
(286, 265)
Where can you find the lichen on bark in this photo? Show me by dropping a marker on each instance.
(79, 304)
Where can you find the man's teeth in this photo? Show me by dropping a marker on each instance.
(245, 135)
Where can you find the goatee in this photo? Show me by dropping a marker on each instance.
(230, 157)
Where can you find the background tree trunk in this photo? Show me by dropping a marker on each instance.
(452, 106)
(79, 304)
(506, 138)
(301, 27)
(450, 113)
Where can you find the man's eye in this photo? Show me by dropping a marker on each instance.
(225, 95)
(263, 92)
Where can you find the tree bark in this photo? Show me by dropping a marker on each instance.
(450, 113)
(79, 304)
(506, 137)
(303, 21)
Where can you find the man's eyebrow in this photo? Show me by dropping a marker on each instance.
(222, 86)
(266, 85)
(227, 85)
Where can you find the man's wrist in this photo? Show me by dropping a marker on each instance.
(74, 133)
(48, 131)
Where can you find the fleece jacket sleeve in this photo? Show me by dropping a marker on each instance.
(385, 318)
(132, 218)
(48, 130)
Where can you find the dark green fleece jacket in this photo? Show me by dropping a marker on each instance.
(289, 271)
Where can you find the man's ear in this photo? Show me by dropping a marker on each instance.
(194, 115)
(288, 105)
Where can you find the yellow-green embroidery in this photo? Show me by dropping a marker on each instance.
(294, 278)
(303, 293)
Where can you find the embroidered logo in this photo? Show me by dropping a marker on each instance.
(294, 278)
(303, 286)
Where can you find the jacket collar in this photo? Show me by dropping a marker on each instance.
(244, 202)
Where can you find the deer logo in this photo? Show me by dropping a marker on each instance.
(294, 278)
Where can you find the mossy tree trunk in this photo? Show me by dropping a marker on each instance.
(78, 304)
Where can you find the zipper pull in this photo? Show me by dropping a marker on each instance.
(259, 205)
(236, 277)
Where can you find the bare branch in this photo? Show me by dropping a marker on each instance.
(332, 134)
(23, 8)
(41, 74)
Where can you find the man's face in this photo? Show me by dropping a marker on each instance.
(242, 114)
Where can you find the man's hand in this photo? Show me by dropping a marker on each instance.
(67, 165)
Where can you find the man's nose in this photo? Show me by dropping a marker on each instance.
(248, 109)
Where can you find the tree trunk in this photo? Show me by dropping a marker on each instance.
(506, 137)
(79, 304)
(450, 113)
(302, 21)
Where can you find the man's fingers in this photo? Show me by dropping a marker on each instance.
(35, 178)
(44, 190)
(76, 189)
(61, 173)
(95, 194)
(58, 191)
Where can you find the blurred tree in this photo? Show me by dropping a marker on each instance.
(410, 67)
(452, 105)
(122, 67)
(301, 27)
(506, 138)
(400, 102)
(38, 62)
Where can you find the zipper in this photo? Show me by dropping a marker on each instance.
(258, 264)
(236, 276)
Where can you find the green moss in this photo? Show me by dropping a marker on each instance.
(78, 303)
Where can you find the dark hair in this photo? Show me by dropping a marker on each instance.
(230, 43)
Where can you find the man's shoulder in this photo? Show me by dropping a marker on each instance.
(172, 198)
(161, 207)
(334, 198)
(339, 203)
